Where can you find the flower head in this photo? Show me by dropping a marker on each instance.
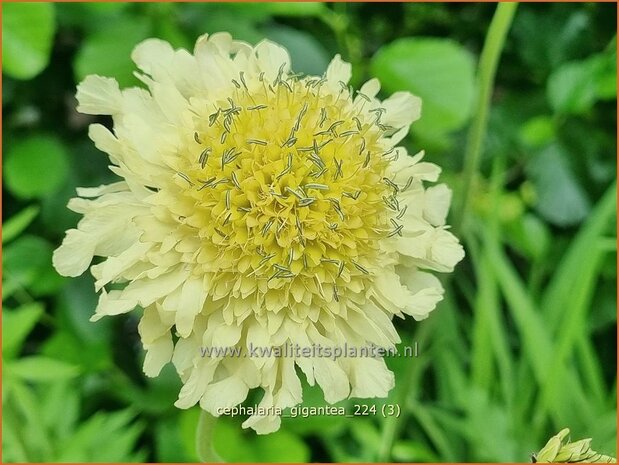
(258, 208)
(558, 449)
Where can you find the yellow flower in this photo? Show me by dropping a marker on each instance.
(259, 208)
(560, 450)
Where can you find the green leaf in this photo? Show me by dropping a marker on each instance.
(42, 369)
(413, 451)
(187, 425)
(12, 227)
(557, 295)
(434, 431)
(281, 446)
(560, 198)
(169, 445)
(574, 87)
(313, 424)
(27, 37)
(547, 39)
(104, 437)
(16, 325)
(55, 217)
(536, 341)
(300, 9)
(263, 11)
(64, 346)
(366, 433)
(538, 131)
(577, 307)
(307, 54)
(60, 407)
(108, 51)
(48, 282)
(606, 76)
(240, 24)
(13, 451)
(153, 399)
(76, 304)
(36, 166)
(530, 236)
(485, 414)
(440, 71)
(23, 262)
(89, 16)
(167, 26)
(24, 407)
(105, 7)
(490, 339)
(233, 444)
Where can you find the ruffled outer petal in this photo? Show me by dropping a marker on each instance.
(145, 230)
(97, 95)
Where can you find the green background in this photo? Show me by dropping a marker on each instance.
(524, 343)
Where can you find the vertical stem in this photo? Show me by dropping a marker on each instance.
(493, 45)
(491, 52)
(338, 21)
(204, 438)
(405, 388)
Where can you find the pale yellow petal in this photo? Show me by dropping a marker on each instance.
(98, 95)
(338, 71)
(158, 354)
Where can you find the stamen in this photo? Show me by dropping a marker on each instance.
(206, 183)
(242, 77)
(212, 118)
(354, 196)
(391, 184)
(306, 202)
(323, 117)
(359, 267)
(320, 187)
(204, 157)
(363, 96)
(267, 226)
(367, 160)
(235, 180)
(296, 110)
(185, 177)
(293, 192)
(338, 169)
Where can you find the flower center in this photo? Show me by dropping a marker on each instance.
(287, 179)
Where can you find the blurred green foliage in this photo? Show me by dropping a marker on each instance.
(524, 343)
(446, 83)
(27, 38)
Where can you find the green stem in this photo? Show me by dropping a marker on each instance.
(406, 387)
(392, 425)
(338, 21)
(204, 438)
(491, 52)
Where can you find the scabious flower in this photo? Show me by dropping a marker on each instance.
(261, 208)
(558, 449)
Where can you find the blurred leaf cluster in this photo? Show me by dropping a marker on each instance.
(524, 343)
